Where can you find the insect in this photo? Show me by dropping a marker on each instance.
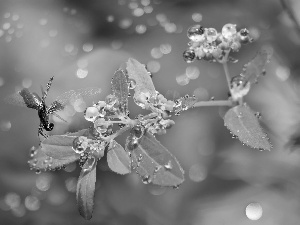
(34, 101)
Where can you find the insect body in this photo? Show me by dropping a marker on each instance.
(34, 101)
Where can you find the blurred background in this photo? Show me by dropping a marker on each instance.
(81, 43)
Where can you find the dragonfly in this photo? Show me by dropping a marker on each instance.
(33, 101)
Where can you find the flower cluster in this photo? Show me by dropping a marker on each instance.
(208, 44)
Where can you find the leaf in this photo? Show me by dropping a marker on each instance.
(184, 103)
(118, 159)
(59, 147)
(41, 161)
(120, 90)
(153, 162)
(242, 122)
(256, 67)
(137, 72)
(86, 189)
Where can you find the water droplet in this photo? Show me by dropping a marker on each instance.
(43, 182)
(110, 18)
(148, 9)
(82, 73)
(196, 33)
(91, 113)
(146, 179)
(138, 12)
(5, 125)
(32, 203)
(156, 53)
(257, 115)
(13, 200)
(165, 48)
(38, 171)
(79, 105)
(197, 17)
(211, 34)
(125, 23)
(15, 17)
(182, 80)
(239, 87)
(189, 55)
(87, 47)
(71, 184)
(6, 15)
(169, 165)
(192, 72)
(116, 44)
(153, 66)
(132, 84)
(141, 29)
(229, 31)
(197, 173)
(6, 26)
(254, 211)
(43, 21)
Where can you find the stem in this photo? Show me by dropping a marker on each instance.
(288, 9)
(225, 67)
(214, 103)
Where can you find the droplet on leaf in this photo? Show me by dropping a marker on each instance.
(254, 211)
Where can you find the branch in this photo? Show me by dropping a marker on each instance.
(214, 103)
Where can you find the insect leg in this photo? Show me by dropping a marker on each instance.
(41, 132)
(45, 93)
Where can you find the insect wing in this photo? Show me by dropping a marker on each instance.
(32, 100)
(71, 96)
(24, 98)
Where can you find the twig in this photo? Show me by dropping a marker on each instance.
(214, 103)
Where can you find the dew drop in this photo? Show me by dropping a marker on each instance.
(192, 72)
(141, 29)
(189, 55)
(138, 12)
(211, 34)
(197, 173)
(182, 80)
(169, 165)
(13, 200)
(197, 17)
(153, 66)
(156, 53)
(6, 26)
(132, 84)
(196, 33)
(5, 125)
(146, 179)
(82, 73)
(91, 113)
(43, 21)
(125, 23)
(110, 18)
(165, 48)
(87, 47)
(254, 211)
(229, 31)
(32, 203)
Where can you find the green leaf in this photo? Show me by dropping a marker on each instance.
(153, 162)
(137, 72)
(86, 189)
(118, 159)
(41, 161)
(256, 67)
(184, 103)
(120, 90)
(59, 147)
(242, 122)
